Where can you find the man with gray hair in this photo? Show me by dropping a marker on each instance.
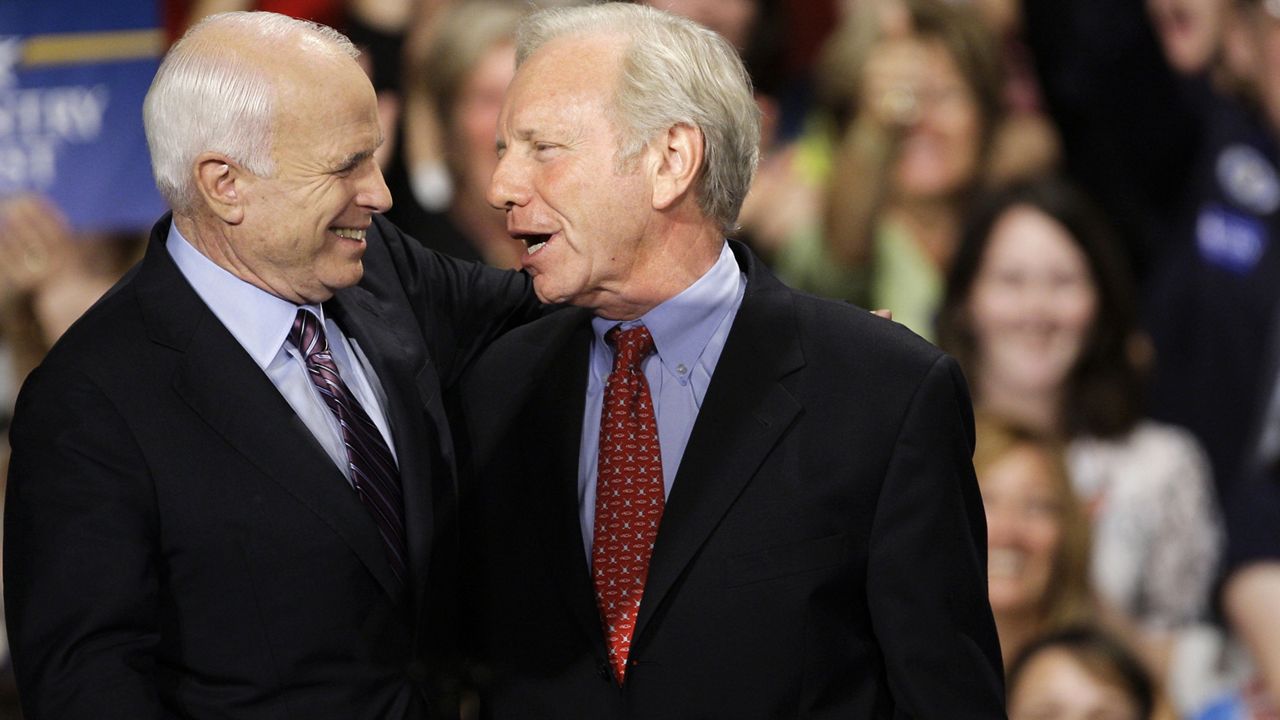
(700, 494)
(232, 484)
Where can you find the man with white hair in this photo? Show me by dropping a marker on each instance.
(231, 492)
(700, 494)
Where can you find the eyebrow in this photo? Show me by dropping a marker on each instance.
(354, 159)
(351, 161)
(519, 135)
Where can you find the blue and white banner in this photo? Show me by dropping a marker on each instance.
(73, 74)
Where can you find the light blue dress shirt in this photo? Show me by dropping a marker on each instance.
(689, 332)
(261, 322)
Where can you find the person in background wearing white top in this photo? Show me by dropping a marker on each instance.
(1039, 312)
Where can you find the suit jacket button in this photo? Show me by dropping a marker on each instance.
(417, 671)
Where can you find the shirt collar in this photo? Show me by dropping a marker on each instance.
(682, 325)
(258, 320)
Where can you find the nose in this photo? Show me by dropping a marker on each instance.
(374, 194)
(507, 187)
(1039, 298)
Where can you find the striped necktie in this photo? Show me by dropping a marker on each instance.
(373, 468)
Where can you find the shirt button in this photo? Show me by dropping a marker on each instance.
(681, 369)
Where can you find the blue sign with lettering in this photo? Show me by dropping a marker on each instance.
(73, 74)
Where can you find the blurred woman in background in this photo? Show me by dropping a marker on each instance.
(1079, 673)
(458, 67)
(1038, 310)
(922, 82)
(1037, 535)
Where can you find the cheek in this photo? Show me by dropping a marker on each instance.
(991, 312)
(963, 128)
(1044, 538)
(1077, 312)
(478, 163)
(479, 125)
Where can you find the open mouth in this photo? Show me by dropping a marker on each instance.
(533, 242)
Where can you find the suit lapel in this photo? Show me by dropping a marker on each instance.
(745, 411)
(555, 362)
(222, 384)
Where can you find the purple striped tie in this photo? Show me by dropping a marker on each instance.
(373, 468)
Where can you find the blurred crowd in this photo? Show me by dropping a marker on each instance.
(1075, 199)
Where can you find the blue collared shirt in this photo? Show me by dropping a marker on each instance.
(261, 322)
(689, 332)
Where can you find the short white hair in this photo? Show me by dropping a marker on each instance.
(674, 72)
(212, 96)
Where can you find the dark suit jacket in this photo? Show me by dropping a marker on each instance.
(177, 544)
(821, 555)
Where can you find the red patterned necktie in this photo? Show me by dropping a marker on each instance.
(373, 468)
(629, 493)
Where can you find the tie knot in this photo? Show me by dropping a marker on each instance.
(632, 345)
(307, 335)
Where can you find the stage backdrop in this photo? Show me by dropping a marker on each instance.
(73, 74)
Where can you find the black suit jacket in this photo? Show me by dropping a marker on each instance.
(821, 554)
(177, 544)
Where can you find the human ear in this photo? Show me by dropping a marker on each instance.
(678, 161)
(218, 181)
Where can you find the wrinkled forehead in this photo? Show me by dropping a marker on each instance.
(332, 103)
(567, 75)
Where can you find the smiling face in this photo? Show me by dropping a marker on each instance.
(1024, 529)
(940, 151)
(1032, 304)
(586, 221)
(302, 236)
(1054, 685)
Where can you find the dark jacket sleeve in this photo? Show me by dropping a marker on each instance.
(927, 578)
(462, 306)
(80, 567)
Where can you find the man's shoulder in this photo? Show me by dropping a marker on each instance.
(109, 323)
(110, 342)
(532, 345)
(830, 329)
(833, 331)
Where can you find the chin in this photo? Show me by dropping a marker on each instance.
(1031, 376)
(546, 295)
(549, 293)
(349, 277)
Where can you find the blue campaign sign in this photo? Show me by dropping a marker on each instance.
(73, 74)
